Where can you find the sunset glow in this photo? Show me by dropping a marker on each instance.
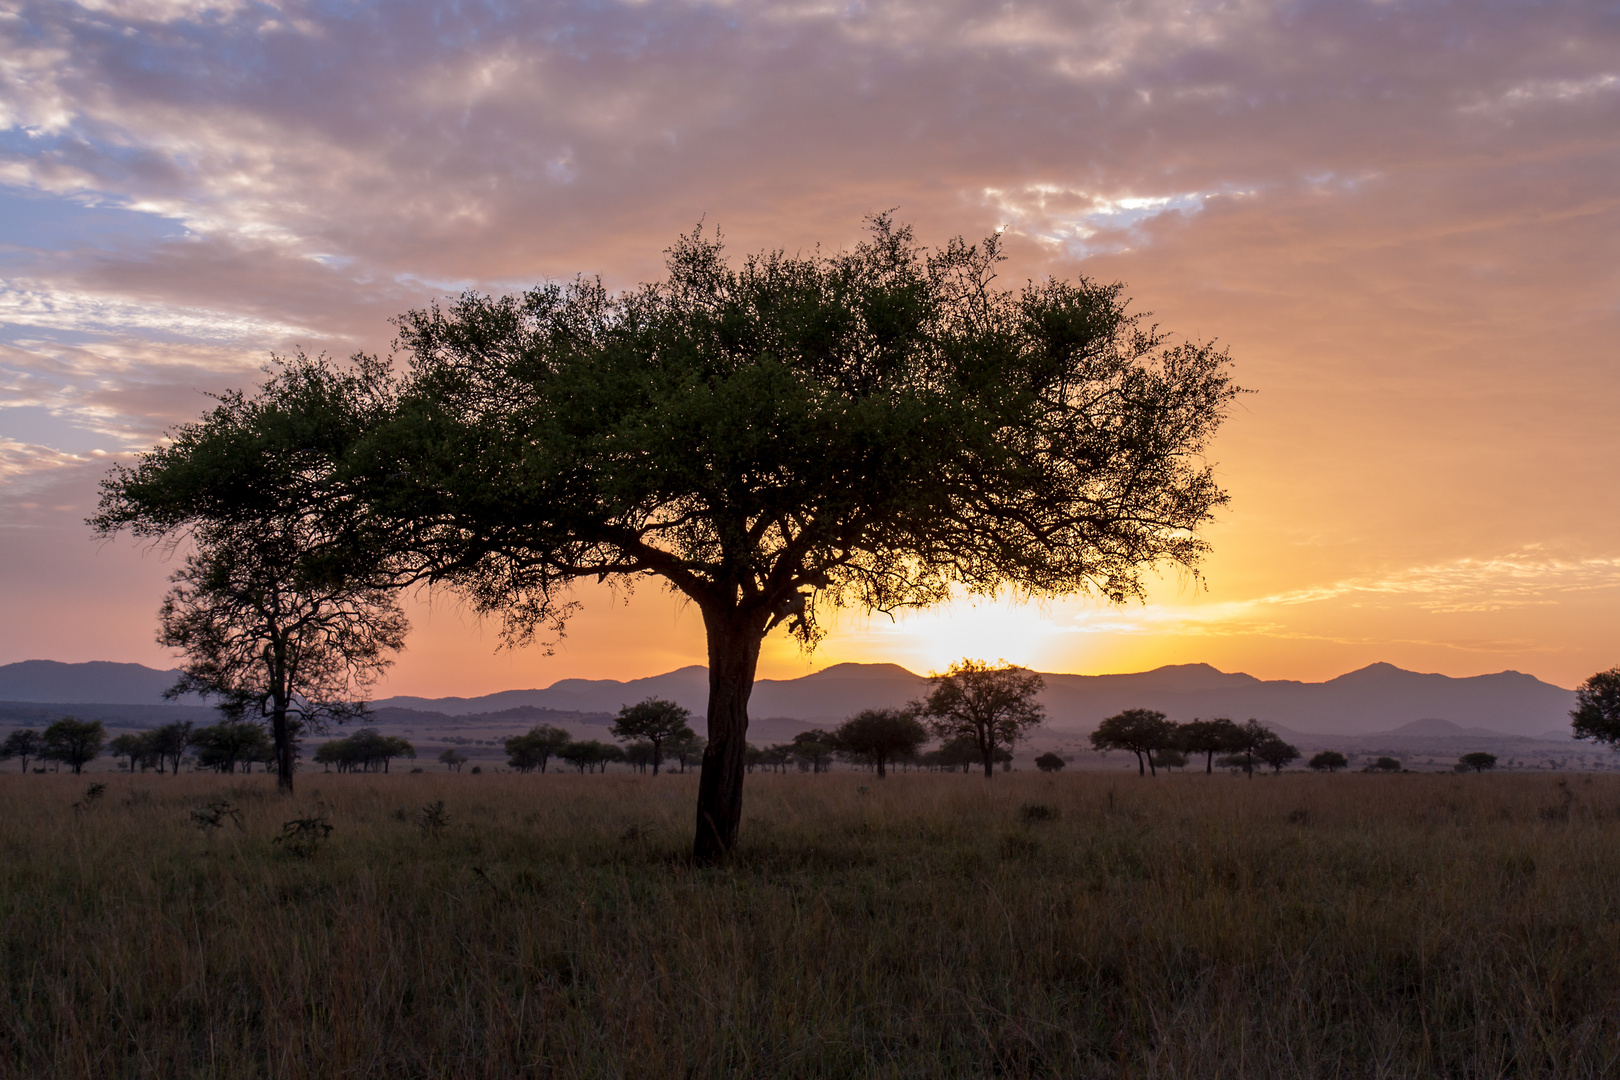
(1400, 218)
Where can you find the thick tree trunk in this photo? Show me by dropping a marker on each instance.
(881, 774)
(734, 640)
(281, 735)
(1141, 770)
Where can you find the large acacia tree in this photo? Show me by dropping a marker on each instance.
(878, 428)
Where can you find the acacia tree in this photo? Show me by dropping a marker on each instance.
(73, 742)
(22, 743)
(655, 720)
(1207, 737)
(1276, 753)
(1596, 715)
(882, 427)
(1141, 731)
(539, 745)
(170, 742)
(993, 705)
(880, 736)
(285, 613)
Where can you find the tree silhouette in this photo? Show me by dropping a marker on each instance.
(1596, 715)
(1050, 762)
(452, 758)
(882, 428)
(1328, 761)
(1207, 737)
(1276, 753)
(1478, 761)
(880, 736)
(22, 743)
(1141, 731)
(539, 745)
(655, 720)
(73, 742)
(170, 743)
(993, 705)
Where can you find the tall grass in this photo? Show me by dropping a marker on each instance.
(927, 925)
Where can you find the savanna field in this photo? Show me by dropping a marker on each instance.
(929, 925)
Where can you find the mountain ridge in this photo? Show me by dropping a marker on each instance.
(1375, 699)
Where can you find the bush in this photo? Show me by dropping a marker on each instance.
(1049, 762)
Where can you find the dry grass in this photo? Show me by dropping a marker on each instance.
(1356, 926)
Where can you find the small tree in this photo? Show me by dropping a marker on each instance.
(1049, 762)
(534, 750)
(1247, 739)
(1596, 715)
(639, 755)
(452, 758)
(22, 743)
(1276, 753)
(1328, 761)
(880, 736)
(655, 720)
(815, 748)
(170, 743)
(1478, 761)
(992, 705)
(1140, 731)
(1168, 758)
(73, 742)
(224, 745)
(1385, 764)
(131, 745)
(1207, 737)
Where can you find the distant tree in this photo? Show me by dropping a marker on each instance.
(22, 743)
(1168, 758)
(452, 758)
(224, 745)
(879, 736)
(1140, 731)
(1328, 761)
(131, 745)
(756, 757)
(655, 720)
(590, 755)
(1207, 737)
(536, 748)
(73, 742)
(777, 757)
(1276, 753)
(367, 750)
(1049, 762)
(1247, 739)
(170, 743)
(1596, 715)
(1385, 764)
(639, 755)
(961, 752)
(994, 705)
(815, 749)
(1478, 761)
(688, 750)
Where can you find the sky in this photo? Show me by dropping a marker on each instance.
(1402, 219)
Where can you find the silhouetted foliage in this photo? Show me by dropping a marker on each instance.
(992, 705)
(1168, 758)
(539, 745)
(23, 743)
(1596, 715)
(136, 747)
(1140, 731)
(278, 618)
(1276, 753)
(879, 736)
(1478, 761)
(1385, 764)
(73, 742)
(1328, 761)
(1207, 737)
(814, 749)
(224, 745)
(657, 721)
(452, 758)
(1247, 740)
(879, 428)
(590, 755)
(367, 750)
(1050, 762)
(639, 755)
(170, 743)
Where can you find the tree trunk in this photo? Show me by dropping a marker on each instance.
(1209, 763)
(734, 641)
(880, 766)
(281, 735)
(1141, 770)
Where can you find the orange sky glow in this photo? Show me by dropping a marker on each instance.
(1401, 218)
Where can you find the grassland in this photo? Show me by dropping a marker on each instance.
(928, 926)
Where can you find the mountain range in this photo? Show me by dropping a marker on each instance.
(1372, 700)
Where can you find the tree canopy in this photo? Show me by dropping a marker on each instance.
(1596, 715)
(73, 742)
(656, 721)
(880, 736)
(1140, 731)
(991, 704)
(879, 427)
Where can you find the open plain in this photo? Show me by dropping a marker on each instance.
(927, 925)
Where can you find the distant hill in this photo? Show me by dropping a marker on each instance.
(1375, 700)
